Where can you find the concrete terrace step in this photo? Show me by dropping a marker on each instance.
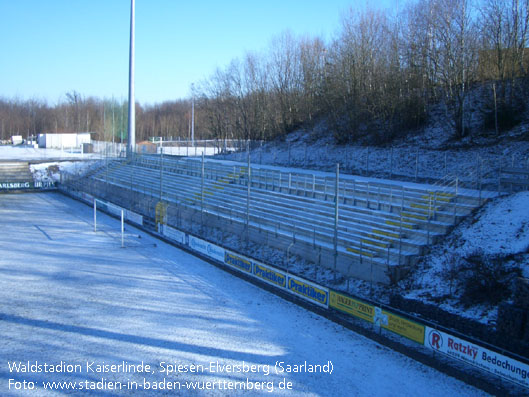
(380, 221)
(15, 172)
(207, 193)
(238, 199)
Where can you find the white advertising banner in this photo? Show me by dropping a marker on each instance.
(473, 354)
(113, 209)
(208, 249)
(87, 197)
(134, 217)
(174, 234)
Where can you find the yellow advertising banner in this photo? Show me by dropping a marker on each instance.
(351, 306)
(404, 327)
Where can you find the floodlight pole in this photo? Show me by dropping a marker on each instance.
(132, 102)
(192, 114)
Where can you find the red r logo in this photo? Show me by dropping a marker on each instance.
(435, 339)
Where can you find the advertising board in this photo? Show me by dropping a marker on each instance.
(478, 356)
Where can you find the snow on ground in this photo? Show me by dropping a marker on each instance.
(501, 227)
(23, 152)
(416, 156)
(51, 172)
(70, 295)
(58, 161)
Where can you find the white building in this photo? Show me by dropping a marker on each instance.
(63, 141)
(16, 139)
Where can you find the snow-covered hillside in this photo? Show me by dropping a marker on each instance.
(497, 236)
(412, 159)
(51, 172)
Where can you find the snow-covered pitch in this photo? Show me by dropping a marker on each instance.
(78, 310)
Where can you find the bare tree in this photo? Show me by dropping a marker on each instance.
(453, 53)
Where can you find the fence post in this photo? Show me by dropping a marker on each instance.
(106, 166)
(367, 161)
(480, 170)
(202, 192)
(402, 198)
(416, 165)
(122, 230)
(390, 199)
(391, 164)
(400, 236)
(429, 212)
(499, 179)
(455, 201)
(161, 169)
(336, 194)
(371, 285)
(132, 176)
(248, 199)
(361, 252)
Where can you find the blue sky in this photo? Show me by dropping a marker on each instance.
(50, 47)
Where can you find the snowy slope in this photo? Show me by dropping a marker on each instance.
(51, 172)
(419, 156)
(500, 228)
(69, 294)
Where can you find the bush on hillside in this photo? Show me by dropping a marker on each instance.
(486, 278)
